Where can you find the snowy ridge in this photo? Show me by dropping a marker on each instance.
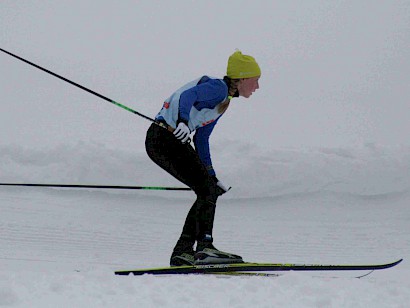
(253, 172)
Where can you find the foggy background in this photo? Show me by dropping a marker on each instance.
(334, 73)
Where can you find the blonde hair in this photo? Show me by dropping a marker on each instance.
(232, 92)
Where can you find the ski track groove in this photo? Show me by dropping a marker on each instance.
(64, 229)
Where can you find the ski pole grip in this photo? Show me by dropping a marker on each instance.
(166, 126)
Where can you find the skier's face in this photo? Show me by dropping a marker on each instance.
(247, 86)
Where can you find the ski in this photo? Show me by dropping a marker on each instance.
(253, 267)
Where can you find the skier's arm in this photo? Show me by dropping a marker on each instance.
(201, 141)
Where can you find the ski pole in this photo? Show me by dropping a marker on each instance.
(96, 186)
(90, 91)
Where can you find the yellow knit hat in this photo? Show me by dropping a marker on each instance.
(242, 66)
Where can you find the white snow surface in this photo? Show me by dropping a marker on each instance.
(318, 158)
(60, 247)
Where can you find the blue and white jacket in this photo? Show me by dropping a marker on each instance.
(196, 103)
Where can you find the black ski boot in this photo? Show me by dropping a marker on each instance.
(206, 253)
(183, 253)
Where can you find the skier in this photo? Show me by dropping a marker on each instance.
(197, 107)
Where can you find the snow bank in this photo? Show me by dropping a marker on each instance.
(253, 172)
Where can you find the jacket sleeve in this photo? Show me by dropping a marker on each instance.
(201, 141)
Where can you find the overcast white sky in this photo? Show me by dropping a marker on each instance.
(334, 73)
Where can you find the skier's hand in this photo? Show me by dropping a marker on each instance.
(221, 186)
(182, 132)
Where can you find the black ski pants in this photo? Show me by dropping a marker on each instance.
(182, 162)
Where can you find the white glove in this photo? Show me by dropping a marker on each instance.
(221, 185)
(182, 132)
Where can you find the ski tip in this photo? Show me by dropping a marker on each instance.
(398, 261)
(388, 265)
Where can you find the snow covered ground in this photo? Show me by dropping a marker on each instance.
(318, 157)
(60, 247)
